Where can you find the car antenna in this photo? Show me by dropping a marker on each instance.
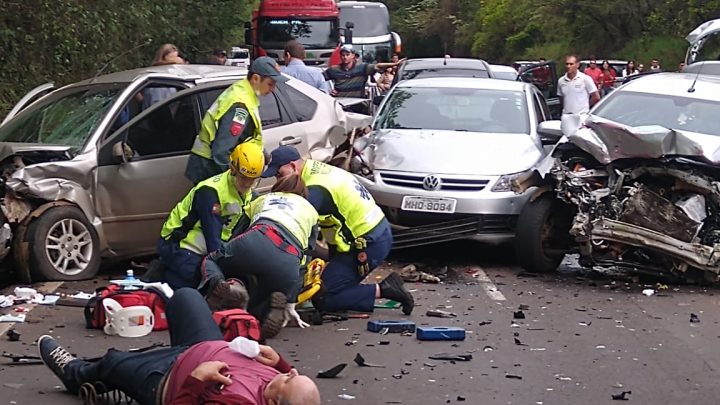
(105, 66)
(692, 87)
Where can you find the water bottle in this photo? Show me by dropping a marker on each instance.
(130, 282)
(130, 275)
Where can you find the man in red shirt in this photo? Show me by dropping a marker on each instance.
(198, 368)
(595, 73)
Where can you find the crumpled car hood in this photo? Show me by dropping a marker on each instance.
(452, 152)
(608, 141)
(8, 149)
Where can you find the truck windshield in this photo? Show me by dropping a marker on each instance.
(373, 53)
(313, 34)
(368, 21)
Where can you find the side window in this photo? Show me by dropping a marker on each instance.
(270, 114)
(539, 112)
(168, 129)
(303, 106)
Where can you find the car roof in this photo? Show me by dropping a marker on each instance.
(707, 87)
(465, 82)
(503, 68)
(449, 63)
(610, 61)
(182, 72)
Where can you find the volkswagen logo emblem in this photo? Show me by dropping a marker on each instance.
(431, 183)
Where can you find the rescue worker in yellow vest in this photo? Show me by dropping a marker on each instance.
(358, 234)
(283, 228)
(208, 215)
(232, 119)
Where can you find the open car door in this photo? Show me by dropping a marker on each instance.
(544, 77)
(28, 99)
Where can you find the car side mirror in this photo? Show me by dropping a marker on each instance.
(378, 99)
(550, 132)
(122, 152)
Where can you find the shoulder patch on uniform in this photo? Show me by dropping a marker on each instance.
(238, 121)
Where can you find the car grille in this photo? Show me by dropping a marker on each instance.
(446, 183)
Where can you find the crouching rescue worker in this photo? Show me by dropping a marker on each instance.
(358, 234)
(283, 229)
(208, 216)
(199, 367)
(233, 119)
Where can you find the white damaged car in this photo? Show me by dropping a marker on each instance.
(442, 153)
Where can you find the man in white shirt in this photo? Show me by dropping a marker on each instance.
(576, 90)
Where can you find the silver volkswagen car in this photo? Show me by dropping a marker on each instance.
(443, 152)
(92, 169)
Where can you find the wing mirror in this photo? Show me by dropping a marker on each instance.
(122, 152)
(550, 132)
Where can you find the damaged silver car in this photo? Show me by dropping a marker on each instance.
(636, 187)
(92, 170)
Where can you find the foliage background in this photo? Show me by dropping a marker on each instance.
(68, 40)
(64, 41)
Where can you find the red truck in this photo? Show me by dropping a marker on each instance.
(315, 23)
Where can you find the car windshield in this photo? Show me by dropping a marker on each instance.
(67, 117)
(373, 53)
(443, 72)
(313, 34)
(673, 112)
(238, 55)
(368, 21)
(455, 109)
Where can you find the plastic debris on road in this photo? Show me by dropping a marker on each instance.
(333, 372)
(346, 396)
(12, 318)
(360, 361)
(621, 396)
(694, 318)
(649, 292)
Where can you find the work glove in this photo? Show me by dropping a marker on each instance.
(291, 313)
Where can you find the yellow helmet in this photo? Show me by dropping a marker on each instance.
(248, 159)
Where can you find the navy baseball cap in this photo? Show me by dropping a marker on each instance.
(267, 67)
(280, 157)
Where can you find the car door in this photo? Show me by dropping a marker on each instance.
(547, 84)
(28, 99)
(136, 189)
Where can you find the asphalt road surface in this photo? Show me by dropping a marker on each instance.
(583, 339)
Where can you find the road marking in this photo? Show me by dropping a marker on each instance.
(490, 289)
(46, 288)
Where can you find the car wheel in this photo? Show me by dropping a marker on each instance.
(543, 236)
(63, 246)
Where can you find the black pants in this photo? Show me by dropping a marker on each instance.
(139, 374)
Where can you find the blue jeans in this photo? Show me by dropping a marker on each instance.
(182, 266)
(341, 280)
(139, 374)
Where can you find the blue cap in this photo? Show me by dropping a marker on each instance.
(267, 67)
(280, 157)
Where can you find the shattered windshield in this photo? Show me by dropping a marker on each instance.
(67, 117)
(673, 112)
(455, 109)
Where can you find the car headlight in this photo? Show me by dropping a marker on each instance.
(504, 183)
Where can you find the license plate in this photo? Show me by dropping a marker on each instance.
(427, 204)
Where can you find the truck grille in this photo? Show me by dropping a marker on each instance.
(446, 183)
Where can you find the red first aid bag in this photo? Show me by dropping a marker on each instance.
(150, 297)
(237, 322)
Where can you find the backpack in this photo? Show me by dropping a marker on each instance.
(150, 297)
(237, 322)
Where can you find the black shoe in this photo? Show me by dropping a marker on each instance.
(275, 318)
(155, 272)
(392, 288)
(57, 358)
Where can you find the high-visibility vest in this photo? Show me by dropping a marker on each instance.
(357, 212)
(180, 226)
(239, 92)
(292, 211)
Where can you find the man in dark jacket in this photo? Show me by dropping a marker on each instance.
(199, 367)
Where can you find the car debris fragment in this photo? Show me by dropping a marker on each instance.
(360, 361)
(333, 372)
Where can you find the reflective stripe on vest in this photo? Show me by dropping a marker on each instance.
(232, 206)
(292, 211)
(357, 212)
(239, 92)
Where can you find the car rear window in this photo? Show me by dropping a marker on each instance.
(443, 72)
(455, 109)
(641, 109)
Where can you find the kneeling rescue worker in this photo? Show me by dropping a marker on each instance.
(209, 215)
(358, 234)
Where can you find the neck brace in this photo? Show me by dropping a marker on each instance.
(132, 321)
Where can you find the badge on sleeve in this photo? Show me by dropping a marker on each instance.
(238, 121)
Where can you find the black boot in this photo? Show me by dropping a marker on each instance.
(392, 288)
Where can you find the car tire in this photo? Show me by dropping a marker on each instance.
(543, 238)
(63, 246)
